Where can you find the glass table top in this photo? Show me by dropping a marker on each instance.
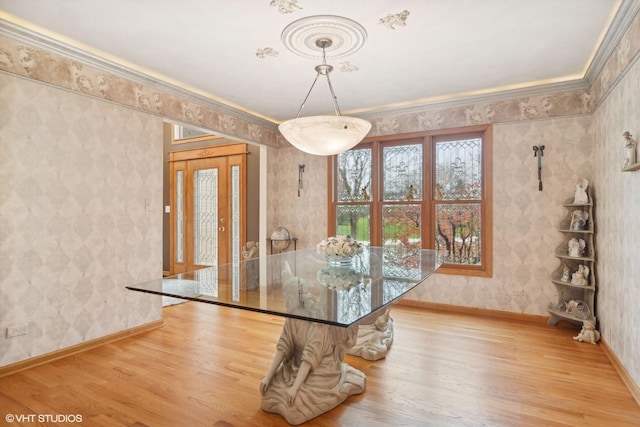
(306, 285)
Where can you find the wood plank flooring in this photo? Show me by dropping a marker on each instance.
(204, 366)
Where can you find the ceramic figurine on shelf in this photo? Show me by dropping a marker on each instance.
(629, 150)
(580, 276)
(576, 247)
(581, 192)
(589, 333)
(565, 273)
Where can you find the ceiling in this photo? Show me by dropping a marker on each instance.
(446, 49)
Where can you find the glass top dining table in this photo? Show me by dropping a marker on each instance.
(306, 285)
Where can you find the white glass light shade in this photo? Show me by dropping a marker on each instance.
(325, 135)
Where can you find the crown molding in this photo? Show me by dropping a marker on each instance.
(625, 14)
(51, 45)
(539, 90)
(619, 25)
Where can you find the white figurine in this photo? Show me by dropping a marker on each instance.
(581, 197)
(579, 220)
(629, 150)
(576, 247)
(589, 333)
(580, 277)
(565, 273)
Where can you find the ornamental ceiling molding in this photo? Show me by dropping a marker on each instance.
(619, 49)
(621, 22)
(257, 129)
(347, 36)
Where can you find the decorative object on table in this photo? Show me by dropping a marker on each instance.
(300, 171)
(578, 308)
(581, 197)
(280, 239)
(580, 276)
(339, 277)
(629, 150)
(576, 247)
(578, 220)
(538, 151)
(250, 250)
(565, 273)
(589, 333)
(339, 248)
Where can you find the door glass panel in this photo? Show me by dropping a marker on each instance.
(354, 221)
(206, 217)
(401, 227)
(402, 172)
(354, 175)
(179, 216)
(235, 213)
(235, 230)
(458, 233)
(459, 170)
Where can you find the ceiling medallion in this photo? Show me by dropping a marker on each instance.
(346, 35)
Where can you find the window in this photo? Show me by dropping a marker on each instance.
(425, 190)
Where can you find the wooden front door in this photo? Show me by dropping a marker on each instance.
(207, 207)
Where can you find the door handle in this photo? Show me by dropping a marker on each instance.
(220, 228)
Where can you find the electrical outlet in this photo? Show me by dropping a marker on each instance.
(14, 331)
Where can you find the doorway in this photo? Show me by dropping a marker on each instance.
(207, 206)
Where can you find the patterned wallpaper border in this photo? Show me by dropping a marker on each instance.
(522, 108)
(39, 64)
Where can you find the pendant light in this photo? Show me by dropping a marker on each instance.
(324, 135)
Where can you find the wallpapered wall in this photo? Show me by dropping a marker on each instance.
(525, 220)
(74, 229)
(618, 227)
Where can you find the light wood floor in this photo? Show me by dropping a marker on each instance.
(204, 366)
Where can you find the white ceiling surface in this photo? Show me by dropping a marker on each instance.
(448, 48)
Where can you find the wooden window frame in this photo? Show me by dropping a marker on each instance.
(428, 140)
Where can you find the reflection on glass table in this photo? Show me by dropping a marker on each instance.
(325, 303)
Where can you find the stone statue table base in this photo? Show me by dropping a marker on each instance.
(375, 339)
(308, 376)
